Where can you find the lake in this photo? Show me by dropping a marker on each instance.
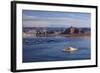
(43, 49)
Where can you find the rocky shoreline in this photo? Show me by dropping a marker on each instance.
(76, 35)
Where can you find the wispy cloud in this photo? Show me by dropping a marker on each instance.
(37, 21)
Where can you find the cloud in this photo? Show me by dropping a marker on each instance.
(34, 21)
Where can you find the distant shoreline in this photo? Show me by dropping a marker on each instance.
(62, 35)
(76, 35)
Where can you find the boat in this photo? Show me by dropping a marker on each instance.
(70, 49)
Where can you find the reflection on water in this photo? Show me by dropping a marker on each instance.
(51, 49)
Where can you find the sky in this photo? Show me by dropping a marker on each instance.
(36, 18)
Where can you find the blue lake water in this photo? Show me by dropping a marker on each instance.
(43, 49)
